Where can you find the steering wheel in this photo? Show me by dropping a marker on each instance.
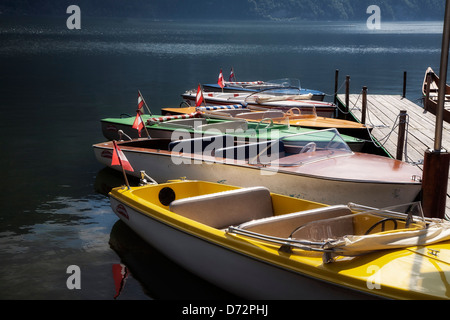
(290, 112)
(269, 125)
(309, 147)
(382, 222)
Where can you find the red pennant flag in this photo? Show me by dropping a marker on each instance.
(231, 78)
(119, 159)
(199, 96)
(140, 103)
(138, 124)
(221, 82)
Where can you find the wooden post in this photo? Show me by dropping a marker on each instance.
(434, 183)
(401, 135)
(336, 82)
(436, 161)
(347, 93)
(404, 84)
(364, 105)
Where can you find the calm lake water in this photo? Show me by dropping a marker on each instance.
(56, 84)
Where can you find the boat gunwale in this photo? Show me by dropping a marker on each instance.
(225, 240)
(245, 164)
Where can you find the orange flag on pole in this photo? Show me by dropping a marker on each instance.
(140, 103)
(232, 77)
(221, 82)
(138, 124)
(119, 159)
(199, 96)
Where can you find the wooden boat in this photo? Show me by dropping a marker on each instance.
(326, 171)
(431, 104)
(268, 99)
(292, 117)
(262, 245)
(121, 128)
(195, 123)
(256, 86)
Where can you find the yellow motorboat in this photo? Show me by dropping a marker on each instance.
(260, 245)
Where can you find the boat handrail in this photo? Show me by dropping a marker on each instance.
(413, 227)
(299, 244)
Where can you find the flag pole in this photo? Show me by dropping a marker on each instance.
(145, 127)
(234, 75)
(145, 103)
(120, 161)
(221, 80)
(203, 97)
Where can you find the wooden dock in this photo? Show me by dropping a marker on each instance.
(383, 114)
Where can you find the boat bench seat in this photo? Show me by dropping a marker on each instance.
(272, 149)
(283, 225)
(223, 209)
(201, 144)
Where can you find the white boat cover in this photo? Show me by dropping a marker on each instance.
(436, 231)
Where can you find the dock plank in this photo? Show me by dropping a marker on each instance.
(382, 113)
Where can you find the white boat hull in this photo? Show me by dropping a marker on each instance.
(323, 109)
(162, 167)
(228, 269)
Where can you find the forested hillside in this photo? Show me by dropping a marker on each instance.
(233, 9)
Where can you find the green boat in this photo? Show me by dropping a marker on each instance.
(189, 126)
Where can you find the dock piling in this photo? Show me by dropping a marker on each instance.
(336, 85)
(401, 135)
(347, 93)
(364, 105)
(405, 75)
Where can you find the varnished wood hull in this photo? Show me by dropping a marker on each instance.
(366, 179)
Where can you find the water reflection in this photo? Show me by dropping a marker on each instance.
(63, 231)
(160, 277)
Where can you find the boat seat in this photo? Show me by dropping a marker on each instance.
(200, 145)
(224, 209)
(225, 125)
(283, 225)
(251, 150)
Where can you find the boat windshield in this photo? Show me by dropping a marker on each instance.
(313, 146)
(362, 222)
(351, 230)
(281, 83)
(301, 112)
(277, 95)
